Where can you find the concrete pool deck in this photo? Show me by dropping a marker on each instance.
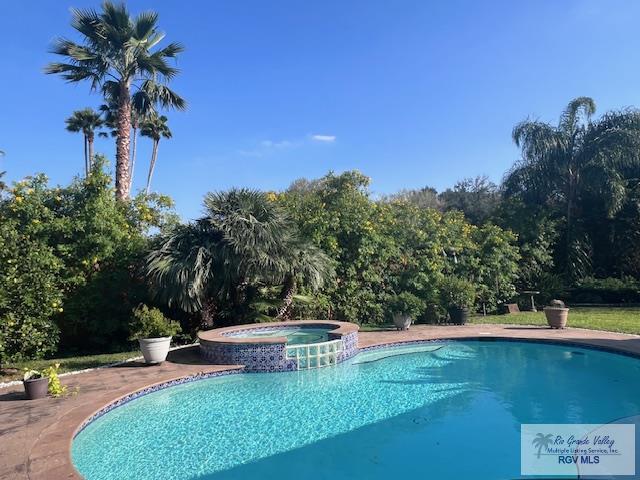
(35, 436)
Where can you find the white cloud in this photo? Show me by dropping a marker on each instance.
(268, 146)
(324, 138)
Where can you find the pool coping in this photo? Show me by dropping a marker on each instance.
(218, 335)
(60, 465)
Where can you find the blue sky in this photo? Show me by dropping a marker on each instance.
(412, 93)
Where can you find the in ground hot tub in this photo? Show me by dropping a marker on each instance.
(281, 346)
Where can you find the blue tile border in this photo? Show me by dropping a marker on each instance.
(272, 357)
(151, 389)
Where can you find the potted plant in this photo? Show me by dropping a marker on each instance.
(405, 307)
(153, 332)
(457, 295)
(36, 384)
(557, 314)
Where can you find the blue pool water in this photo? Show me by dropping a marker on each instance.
(294, 335)
(441, 411)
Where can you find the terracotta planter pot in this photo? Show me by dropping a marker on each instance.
(155, 350)
(36, 388)
(459, 316)
(401, 321)
(556, 316)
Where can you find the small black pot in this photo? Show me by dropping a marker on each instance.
(36, 388)
(459, 316)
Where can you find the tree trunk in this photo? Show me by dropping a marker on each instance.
(288, 291)
(132, 163)
(123, 137)
(208, 314)
(86, 157)
(152, 166)
(569, 239)
(90, 139)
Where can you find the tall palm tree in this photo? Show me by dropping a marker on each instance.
(116, 55)
(138, 112)
(560, 163)
(86, 121)
(155, 127)
(244, 242)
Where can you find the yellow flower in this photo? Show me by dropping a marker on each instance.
(18, 199)
(61, 309)
(272, 197)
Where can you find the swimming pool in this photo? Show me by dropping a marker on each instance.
(449, 410)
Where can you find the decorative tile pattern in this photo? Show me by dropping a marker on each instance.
(267, 357)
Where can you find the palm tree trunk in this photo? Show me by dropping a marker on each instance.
(288, 291)
(208, 314)
(152, 166)
(86, 157)
(133, 154)
(90, 138)
(569, 239)
(122, 142)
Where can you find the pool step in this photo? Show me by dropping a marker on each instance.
(315, 355)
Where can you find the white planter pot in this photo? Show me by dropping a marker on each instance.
(155, 350)
(401, 321)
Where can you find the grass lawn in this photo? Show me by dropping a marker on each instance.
(68, 364)
(618, 319)
(613, 319)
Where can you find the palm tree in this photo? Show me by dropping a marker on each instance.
(86, 121)
(116, 56)
(542, 441)
(138, 112)
(560, 163)
(154, 127)
(222, 261)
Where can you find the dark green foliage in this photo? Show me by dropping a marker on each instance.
(606, 290)
(456, 292)
(476, 197)
(29, 293)
(226, 264)
(393, 246)
(408, 304)
(582, 172)
(84, 249)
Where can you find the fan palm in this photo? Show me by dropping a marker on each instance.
(560, 163)
(243, 243)
(86, 121)
(116, 56)
(155, 127)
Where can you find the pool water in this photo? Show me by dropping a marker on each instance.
(294, 335)
(444, 411)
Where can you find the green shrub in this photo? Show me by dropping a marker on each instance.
(151, 323)
(434, 314)
(69, 261)
(407, 303)
(457, 292)
(30, 294)
(550, 286)
(606, 290)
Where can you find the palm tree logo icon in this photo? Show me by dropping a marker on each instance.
(542, 441)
